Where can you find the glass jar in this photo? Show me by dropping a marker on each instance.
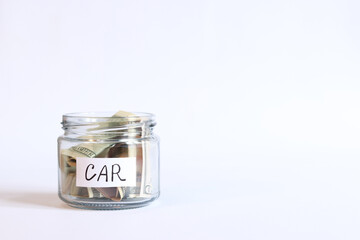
(108, 161)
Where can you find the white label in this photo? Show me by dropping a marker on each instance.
(105, 172)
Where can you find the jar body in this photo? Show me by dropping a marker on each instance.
(107, 172)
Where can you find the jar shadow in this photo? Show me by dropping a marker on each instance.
(32, 200)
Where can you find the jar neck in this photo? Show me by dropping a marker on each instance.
(99, 126)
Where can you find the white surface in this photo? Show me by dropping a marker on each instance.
(257, 105)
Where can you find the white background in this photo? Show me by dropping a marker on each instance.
(257, 104)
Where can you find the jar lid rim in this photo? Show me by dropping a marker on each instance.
(107, 115)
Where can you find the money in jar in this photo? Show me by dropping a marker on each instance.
(108, 160)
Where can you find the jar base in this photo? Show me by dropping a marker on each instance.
(101, 205)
